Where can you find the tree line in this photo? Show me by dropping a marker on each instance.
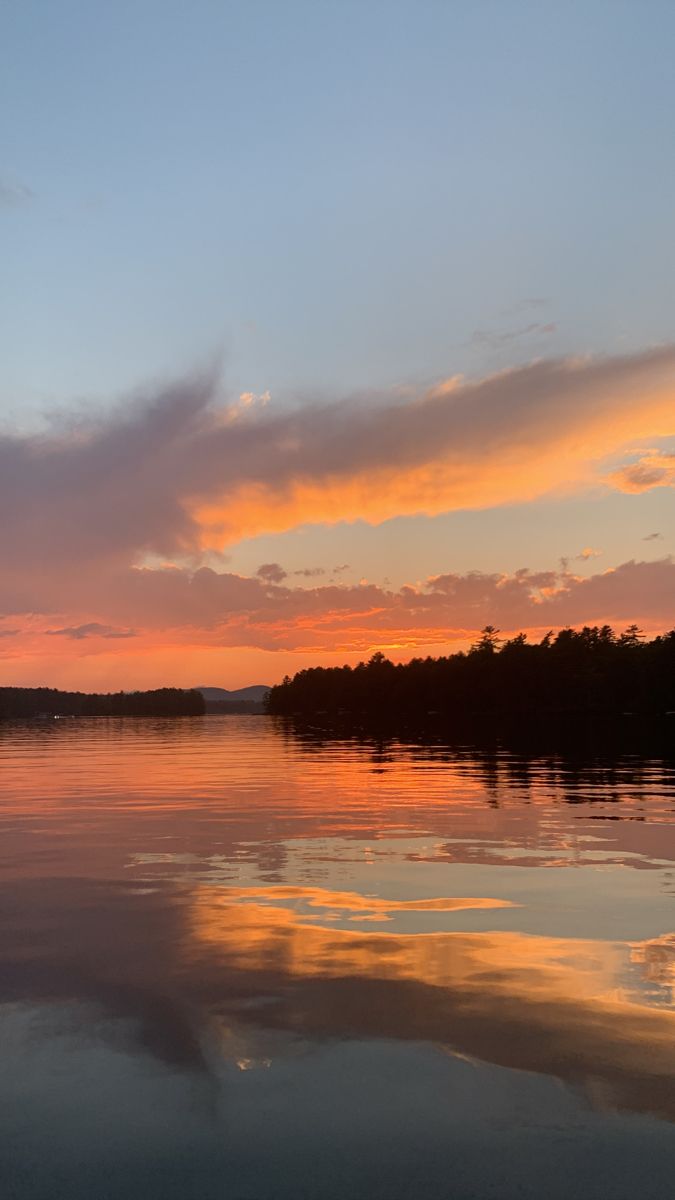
(16, 702)
(591, 671)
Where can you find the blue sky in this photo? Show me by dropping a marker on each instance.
(335, 196)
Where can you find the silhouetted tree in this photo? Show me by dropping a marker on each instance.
(488, 642)
(586, 671)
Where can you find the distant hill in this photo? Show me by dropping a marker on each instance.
(255, 692)
(240, 700)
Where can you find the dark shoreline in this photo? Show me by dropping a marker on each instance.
(49, 703)
(582, 678)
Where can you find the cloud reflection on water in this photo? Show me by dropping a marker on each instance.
(222, 901)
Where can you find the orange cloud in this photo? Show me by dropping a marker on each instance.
(650, 471)
(508, 444)
(176, 473)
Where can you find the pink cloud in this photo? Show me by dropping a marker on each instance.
(220, 608)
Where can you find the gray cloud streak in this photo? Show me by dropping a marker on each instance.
(91, 629)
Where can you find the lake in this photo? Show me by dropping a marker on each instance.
(244, 961)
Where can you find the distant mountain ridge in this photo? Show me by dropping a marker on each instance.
(254, 693)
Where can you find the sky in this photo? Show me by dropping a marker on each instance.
(330, 327)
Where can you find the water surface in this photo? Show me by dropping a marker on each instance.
(241, 961)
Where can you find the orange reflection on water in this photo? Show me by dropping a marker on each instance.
(115, 784)
(561, 1006)
(355, 903)
(656, 957)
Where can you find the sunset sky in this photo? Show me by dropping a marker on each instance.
(328, 327)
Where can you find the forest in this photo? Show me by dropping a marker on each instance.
(591, 671)
(42, 702)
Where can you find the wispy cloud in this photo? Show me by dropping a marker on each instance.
(14, 193)
(494, 338)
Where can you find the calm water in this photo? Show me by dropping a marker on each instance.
(237, 962)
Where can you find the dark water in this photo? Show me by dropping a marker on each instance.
(237, 962)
